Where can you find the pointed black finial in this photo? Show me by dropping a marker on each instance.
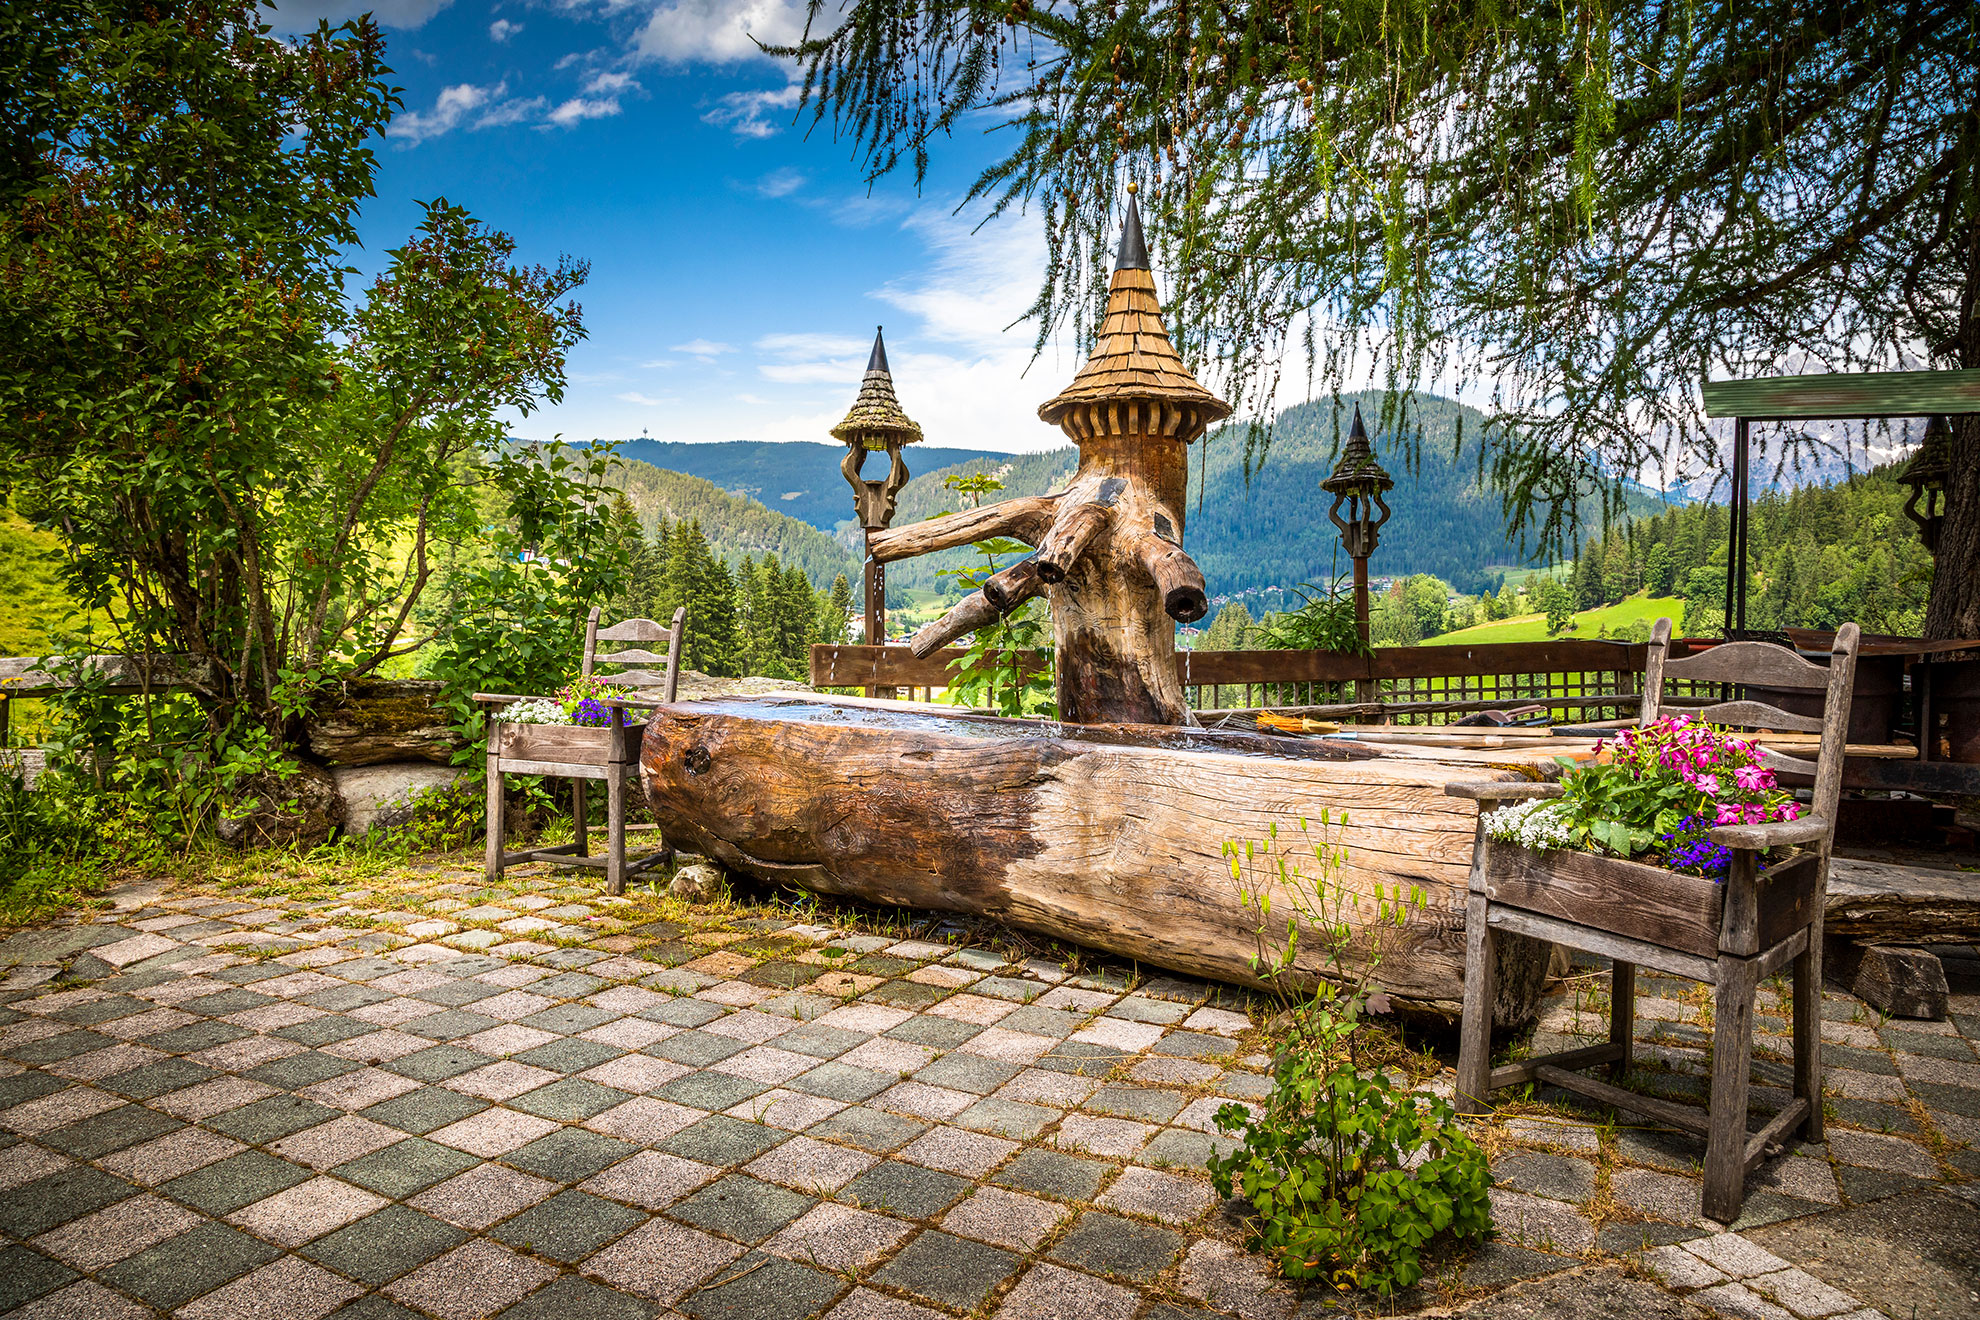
(878, 362)
(1134, 248)
(1358, 431)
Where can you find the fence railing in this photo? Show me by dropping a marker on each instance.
(1575, 680)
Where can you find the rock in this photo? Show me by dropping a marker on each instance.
(381, 796)
(380, 720)
(699, 882)
(270, 810)
(27, 762)
(1902, 982)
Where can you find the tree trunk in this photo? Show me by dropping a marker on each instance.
(1109, 836)
(1954, 609)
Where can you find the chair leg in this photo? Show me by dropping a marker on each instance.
(1808, 1033)
(1622, 1015)
(497, 841)
(615, 833)
(581, 833)
(1732, 1063)
(1475, 1031)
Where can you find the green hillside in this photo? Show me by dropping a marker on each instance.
(34, 604)
(1615, 619)
(736, 525)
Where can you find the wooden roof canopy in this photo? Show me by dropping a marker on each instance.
(1844, 396)
(876, 416)
(1133, 361)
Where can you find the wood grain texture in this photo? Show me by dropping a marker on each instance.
(1609, 893)
(1760, 663)
(1112, 843)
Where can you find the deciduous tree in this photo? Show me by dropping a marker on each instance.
(1587, 207)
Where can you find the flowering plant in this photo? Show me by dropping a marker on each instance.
(537, 710)
(583, 699)
(1657, 790)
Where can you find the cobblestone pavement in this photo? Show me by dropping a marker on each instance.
(432, 1097)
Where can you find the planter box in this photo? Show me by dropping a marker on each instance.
(1669, 908)
(566, 744)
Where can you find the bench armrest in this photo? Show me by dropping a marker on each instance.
(1496, 790)
(1774, 834)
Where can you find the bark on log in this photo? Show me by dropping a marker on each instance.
(1110, 836)
(378, 720)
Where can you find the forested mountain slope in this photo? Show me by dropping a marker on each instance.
(799, 479)
(1274, 530)
(735, 525)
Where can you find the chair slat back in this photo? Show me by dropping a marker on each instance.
(1763, 664)
(637, 630)
(1760, 715)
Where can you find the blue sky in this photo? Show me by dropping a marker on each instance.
(738, 268)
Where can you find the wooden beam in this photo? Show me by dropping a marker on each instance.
(1841, 395)
(1525, 1070)
(24, 675)
(1683, 1117)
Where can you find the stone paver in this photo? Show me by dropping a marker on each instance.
(536, 1100)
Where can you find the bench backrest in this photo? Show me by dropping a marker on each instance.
(642, 633)
(1766, 665)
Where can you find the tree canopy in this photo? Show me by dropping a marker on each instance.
(1591, 208)
(256, 468)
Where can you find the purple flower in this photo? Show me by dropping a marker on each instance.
(592, 713)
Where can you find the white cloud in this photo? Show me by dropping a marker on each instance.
(780, 183)
(705, 349)
(502, 29)
(453, 104)
(754, 114)
(645, 400)
(610, 84)
(717, 31)
(579, 108)
(513, 111)
(301, 15)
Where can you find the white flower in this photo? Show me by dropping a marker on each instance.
(1536, 823)
(538, 710)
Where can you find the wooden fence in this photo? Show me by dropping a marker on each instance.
(1574, 680)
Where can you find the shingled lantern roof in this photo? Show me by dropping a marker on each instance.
(1133, 360)
(876, 417)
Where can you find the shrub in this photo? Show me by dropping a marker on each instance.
(1352, 1177)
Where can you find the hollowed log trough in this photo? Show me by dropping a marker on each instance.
(1110, 836)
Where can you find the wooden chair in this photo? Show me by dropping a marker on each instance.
(609, 753)
(1728, 935)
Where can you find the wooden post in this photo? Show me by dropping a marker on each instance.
(615, 809)
(580, 828)
(492, 869)
(1622, 1015)
(1732, 1063)
(876, 611)
(1475, 1028)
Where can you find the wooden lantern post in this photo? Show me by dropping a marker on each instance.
(1359, 482)
(876, 424)
(1109, 548)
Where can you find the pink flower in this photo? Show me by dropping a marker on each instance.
(1707, 784)
(1728, 815)
(1752, 777)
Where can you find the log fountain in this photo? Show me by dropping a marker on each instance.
(1105, 826)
